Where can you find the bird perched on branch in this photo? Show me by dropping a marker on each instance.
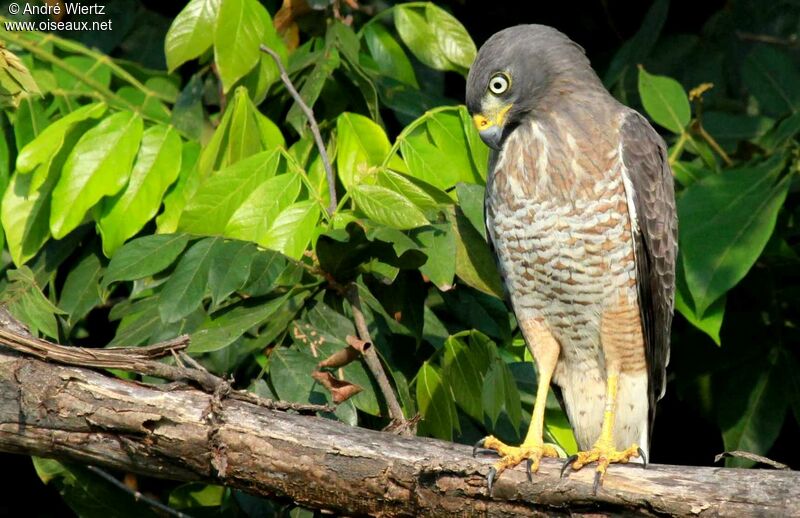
(580, 209)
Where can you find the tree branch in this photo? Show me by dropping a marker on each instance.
(399, 423)
(323, 153)
(76, 414)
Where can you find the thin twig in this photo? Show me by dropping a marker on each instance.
(312, 122)
(713, 143)
(139, 497)
(401, 425)
(791, 41)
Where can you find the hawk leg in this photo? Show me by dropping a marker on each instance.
(533, 448)
(604, 452)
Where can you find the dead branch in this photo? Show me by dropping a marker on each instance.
(77, 414)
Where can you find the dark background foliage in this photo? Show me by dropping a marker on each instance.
(750, 379)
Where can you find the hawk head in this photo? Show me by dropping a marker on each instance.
(515, 70)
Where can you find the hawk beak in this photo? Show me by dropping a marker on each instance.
(491, 136)
(490, 126)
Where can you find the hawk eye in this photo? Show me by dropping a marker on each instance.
(498, 84)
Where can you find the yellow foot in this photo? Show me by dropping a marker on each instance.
(603, 455)
(510, 456)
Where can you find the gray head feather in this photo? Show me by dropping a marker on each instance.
(539, 59)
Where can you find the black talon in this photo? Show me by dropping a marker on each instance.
(568, 463)
(644, 458)
(477, 445)
(597, 477)
(490, 478)
(528, 466)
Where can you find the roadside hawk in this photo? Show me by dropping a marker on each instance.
(580, 209)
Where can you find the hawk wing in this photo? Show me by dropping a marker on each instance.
(651, 203)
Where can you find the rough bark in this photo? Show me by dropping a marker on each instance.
(182, 433)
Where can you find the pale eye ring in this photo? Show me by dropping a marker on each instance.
(498, 84)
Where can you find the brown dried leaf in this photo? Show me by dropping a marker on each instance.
(358, 344)
(339, 359)
(341, 390)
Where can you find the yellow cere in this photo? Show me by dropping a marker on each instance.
(497, 118)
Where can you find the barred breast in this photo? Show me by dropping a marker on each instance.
(561, 227)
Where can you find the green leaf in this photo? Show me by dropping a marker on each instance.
(255, 217)
(475, 264)
(230, 268)
(479, 151)
(772, 77)
(88, 68)
(270, 133)
(436, 149)
(196, 495)
(186, 287)
(387, 207)
(781, 133)
(191, 32)
(465, 367)
(435, 401)
(362, 145)
(418, 35)
(710, 322)
(237, 35)
(388, 55)
(49, 141)
(25, 215)
(186, 185)
(438, 242)
(145, 256)
(187, 113)
(27, 199)
(665, 101)
(292, 230)
(689, 172)
(500, 394)
(726, 220)
(157, 166)
(453, 39)
(290, 372)
(138, 324)
(224, 330)
(29, 122)
(218, 198)
(25, 300)
(422, 194)
(98, 166)
(81, 291)
(270, 270)
(470, 199)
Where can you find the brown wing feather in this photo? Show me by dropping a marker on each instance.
(656, 239)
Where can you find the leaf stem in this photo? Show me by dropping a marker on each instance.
(323, 153)
(713, 143)
(678, 149)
